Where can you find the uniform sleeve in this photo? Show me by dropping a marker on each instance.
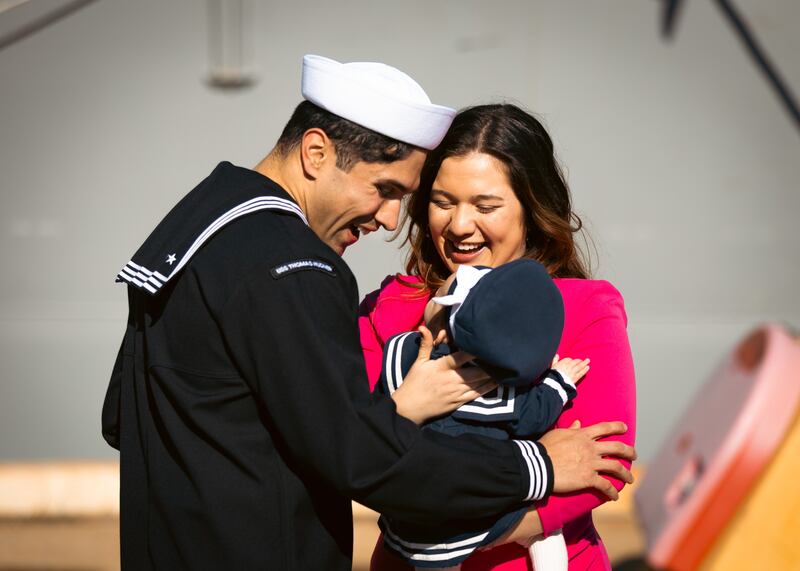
(399, 355)
(295, 339)
(607, 392)
(382, 387)
(542, 405)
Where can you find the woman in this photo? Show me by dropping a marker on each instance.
(492, 192)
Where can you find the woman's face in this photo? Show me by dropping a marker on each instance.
(473, 215)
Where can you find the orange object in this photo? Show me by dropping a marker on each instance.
(763, 532)
(719, 449)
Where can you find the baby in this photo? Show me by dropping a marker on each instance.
(510, 318)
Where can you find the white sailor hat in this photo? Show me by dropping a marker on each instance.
(378, 97)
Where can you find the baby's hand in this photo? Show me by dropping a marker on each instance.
(575, 369)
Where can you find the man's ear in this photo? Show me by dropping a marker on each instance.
(316, 151)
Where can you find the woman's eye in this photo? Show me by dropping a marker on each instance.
(486, 209)
(441, 203)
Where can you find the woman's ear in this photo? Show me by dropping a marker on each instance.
(316, 152)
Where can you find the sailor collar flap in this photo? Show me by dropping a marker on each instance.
(228, 193)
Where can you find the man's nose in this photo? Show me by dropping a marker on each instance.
(388, 214)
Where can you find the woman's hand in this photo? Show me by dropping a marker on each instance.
(439, 386)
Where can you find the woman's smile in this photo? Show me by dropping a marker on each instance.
(463, 252)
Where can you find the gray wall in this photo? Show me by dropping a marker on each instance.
(680, 160)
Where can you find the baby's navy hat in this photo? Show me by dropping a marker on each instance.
(511, 320)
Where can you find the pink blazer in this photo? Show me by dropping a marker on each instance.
(594, 328)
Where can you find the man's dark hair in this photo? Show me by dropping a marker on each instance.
(353, 142)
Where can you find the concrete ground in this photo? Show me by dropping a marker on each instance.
(63, 517)
(92, 543)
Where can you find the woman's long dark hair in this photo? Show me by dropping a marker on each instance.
(522, 145)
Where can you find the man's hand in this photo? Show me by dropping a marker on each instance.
(436, 387)
(578, 459)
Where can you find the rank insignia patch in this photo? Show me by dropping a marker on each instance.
(299, 265)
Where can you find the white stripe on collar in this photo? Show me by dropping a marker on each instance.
(503, 403)
(153, 281)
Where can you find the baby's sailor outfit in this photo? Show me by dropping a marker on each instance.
(511, 319)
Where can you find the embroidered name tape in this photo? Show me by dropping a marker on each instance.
(300, 265)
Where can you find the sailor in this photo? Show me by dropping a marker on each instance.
(239, 397)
